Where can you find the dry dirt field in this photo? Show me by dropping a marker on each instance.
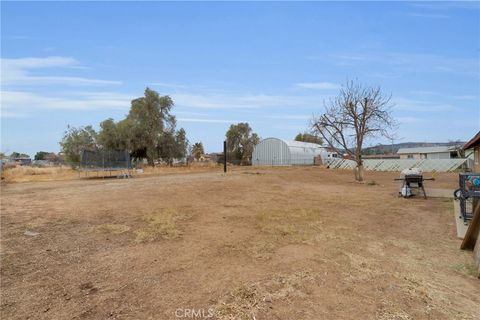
(257, 243)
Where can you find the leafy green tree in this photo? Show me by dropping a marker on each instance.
(306, 137)
(114, 136)
(52, 157)
(40, 155)
(197, 150)
(181, 144)
(77, 139)
(107, 136)
(148, 131)
(19, 155)
(148, 118)
(173, 145)
(167, 147)
(240, 142)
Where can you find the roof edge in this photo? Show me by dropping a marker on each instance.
(475, 141)
(297, 144)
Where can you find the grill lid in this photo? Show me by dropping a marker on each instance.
(411, 171)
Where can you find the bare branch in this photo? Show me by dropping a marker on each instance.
(357, 113)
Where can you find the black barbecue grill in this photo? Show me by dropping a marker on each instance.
(412, 180)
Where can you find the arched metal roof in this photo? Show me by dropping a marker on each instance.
(300, 144)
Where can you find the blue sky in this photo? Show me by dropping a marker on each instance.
(270, 64)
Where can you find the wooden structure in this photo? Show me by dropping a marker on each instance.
(471, 241)
(474, 144)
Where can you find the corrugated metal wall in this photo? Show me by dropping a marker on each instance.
(303, 155)
(439, 155)
(271, 152)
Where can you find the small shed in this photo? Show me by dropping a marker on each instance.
(279, 152)
(23, 161)
(474, 144)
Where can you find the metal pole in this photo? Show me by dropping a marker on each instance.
(225, 156)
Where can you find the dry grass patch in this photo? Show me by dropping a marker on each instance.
(467, 268)
(430, 299)
(161, 224)
(277, 228)
(292, 225)
(25, 174)
(192, 167)
(246, 300)
(112, 228)
(37, 223)
(261, 249)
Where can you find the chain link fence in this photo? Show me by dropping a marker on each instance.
(426, 165)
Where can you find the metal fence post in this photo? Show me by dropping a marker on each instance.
(225, 156)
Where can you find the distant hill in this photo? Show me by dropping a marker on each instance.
(387, 148)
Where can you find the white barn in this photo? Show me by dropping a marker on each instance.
(279, 152)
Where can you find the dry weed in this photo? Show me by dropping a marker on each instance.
(467, 268)
(160, 225)
(244, 301)
(261, 249)
(293, 225)
(37, 223)
(112, 228)
(277, 228)
(25, 174)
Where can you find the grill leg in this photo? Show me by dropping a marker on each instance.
(424, 193)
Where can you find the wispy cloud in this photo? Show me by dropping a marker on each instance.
(395, 64)
(190, 113)
(169, 85)
(10, 114)
(290, 117)
(318, 85)
(244, 101)
(17, 37)
(206, 120)
(444, 95)
(405, 104)
(428, 15)
(446, 5)
(19, 72)
(424, 92)
(407, 120)
(467, 97)
(21, 102)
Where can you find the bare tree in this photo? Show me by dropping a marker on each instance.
(357, 113)
(457, 147)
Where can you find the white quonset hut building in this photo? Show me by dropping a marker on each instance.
(279, 152)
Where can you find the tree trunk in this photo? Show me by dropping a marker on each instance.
(358, 171)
